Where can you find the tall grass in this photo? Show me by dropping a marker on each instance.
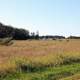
(39, 60)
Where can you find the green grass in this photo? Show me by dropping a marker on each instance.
(49, 73)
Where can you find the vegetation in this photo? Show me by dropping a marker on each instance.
(57, 58)
(74, 77)
(15, 33)
(22, 34)
(40, 60)
(6, 41)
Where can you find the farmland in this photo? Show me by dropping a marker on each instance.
(40, 60)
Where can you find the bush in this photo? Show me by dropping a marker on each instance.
(6, 41)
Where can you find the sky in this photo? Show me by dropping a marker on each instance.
(49, 17)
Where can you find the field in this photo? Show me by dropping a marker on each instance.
(40, 60)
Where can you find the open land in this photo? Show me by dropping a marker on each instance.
(40, 60)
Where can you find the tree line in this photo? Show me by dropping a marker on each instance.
(16, 33)
(22, 34)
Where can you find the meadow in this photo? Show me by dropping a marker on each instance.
(40, 60)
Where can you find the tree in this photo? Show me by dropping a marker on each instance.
(15, 33)
(32, 35)
(6, 31)
(37, 35)
(21, 34)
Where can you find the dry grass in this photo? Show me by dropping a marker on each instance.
(44, 52)
(39, 54)
(74, 77)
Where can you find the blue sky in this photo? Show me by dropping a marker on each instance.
(53, 17)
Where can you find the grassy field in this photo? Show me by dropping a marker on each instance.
(40, 60)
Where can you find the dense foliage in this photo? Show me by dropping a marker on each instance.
(9, 31)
